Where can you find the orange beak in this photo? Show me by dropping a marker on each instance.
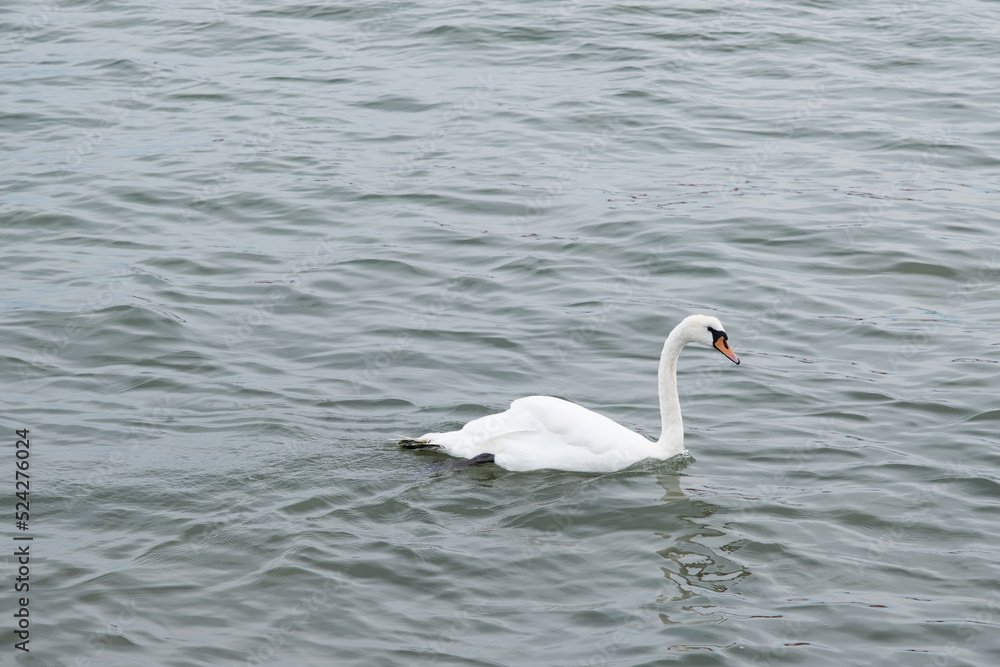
(722, 345)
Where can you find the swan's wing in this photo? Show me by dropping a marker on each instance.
(571, 424)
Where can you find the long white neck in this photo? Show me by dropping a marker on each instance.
(672, 433)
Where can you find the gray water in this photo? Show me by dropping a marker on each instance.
(247, 245)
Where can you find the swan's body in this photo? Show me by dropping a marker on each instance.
(545, 432)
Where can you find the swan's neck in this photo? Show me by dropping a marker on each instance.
(672, 433)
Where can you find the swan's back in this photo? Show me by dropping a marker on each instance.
(547, 432)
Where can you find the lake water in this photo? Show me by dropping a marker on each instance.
(247, 245)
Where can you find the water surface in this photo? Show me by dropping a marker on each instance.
(246, 245)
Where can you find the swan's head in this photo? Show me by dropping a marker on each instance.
(708, 331)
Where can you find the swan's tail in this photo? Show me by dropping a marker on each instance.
(417, 443)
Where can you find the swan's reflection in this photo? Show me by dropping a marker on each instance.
(560, 513)
(696, 567)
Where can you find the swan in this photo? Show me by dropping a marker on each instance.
(543, 432)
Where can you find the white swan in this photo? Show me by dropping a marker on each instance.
(540, 432)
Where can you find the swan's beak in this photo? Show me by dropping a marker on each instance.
(722, 345)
